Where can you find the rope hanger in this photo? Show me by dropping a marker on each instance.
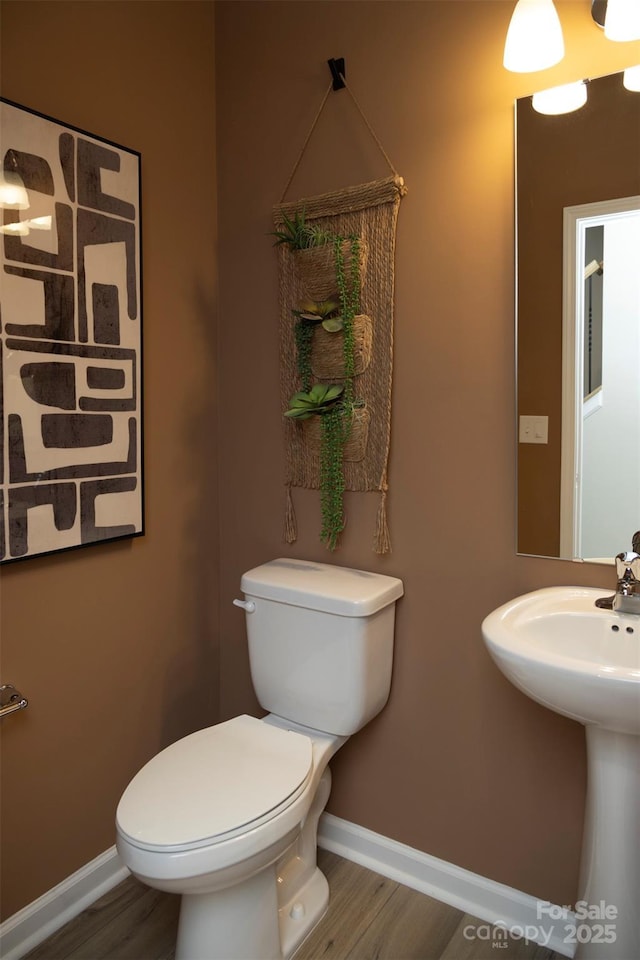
(338, 82)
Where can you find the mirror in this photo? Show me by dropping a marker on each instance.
(578, 321)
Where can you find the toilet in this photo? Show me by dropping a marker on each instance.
(227, 817)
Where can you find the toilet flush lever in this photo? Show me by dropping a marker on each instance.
(247, 605)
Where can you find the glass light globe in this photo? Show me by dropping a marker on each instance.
(631, 78)
(534, 38)
(562, 99)
(622, 20)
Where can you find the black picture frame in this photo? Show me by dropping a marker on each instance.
(71, 419)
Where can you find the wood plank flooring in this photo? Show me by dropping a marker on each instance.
(370, 918)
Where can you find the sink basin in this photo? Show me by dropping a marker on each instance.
(584, 662)
(569, 655)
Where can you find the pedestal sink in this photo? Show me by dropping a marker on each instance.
(584, 662)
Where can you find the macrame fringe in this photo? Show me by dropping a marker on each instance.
(383, 539)
(290, 527)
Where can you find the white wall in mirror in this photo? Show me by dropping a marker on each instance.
(601, 379)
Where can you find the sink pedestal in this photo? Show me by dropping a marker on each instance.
(610, 868)
(583, 661)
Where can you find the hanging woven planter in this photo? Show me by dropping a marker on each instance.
(316, 267)
(361, 217)
(327, 350)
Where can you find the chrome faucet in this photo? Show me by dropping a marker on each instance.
(627, 596)
(626, 599)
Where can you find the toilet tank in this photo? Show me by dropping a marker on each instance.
(320, 642)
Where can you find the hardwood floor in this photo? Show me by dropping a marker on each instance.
(369, 918)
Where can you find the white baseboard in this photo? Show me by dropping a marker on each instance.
(494, 903)
(38, 920)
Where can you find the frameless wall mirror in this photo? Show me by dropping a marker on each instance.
(578, 325)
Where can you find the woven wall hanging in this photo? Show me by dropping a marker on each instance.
(336, 270)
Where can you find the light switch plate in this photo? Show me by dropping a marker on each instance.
(534, 430)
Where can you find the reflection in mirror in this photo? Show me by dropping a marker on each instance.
(578, 325)
(600, 458)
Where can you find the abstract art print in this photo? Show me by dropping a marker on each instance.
(70, 337)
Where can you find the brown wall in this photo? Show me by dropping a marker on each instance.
(460, 764)
(563, 161)
(116, 645)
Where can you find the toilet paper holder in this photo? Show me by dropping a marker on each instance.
(11, 700)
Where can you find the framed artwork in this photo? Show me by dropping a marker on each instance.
(70, 337)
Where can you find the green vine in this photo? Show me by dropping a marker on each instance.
(336, 415)
(309, 314)
(332, 477)
(336, 425)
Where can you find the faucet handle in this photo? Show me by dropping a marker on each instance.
(628, 566)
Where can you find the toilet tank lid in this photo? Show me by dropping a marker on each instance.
(322, 586)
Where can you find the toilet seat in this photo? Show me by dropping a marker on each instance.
(214, 784)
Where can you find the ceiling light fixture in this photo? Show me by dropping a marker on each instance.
(562, 99)
(631, 79)
(622, 20)
(534, 38)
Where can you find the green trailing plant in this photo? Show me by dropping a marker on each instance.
(334, 403)
(332, 477)
(336, 427)
(308, 315)
(323, 400)
(297, 234)
(349, 293)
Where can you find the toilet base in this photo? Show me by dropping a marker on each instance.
(268, 915)
(299, 917)
(237, 923)
(244, 922)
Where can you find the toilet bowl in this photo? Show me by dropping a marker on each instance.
(182, 829)
(227, 817)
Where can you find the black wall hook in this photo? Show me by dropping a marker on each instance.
(337, 72)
